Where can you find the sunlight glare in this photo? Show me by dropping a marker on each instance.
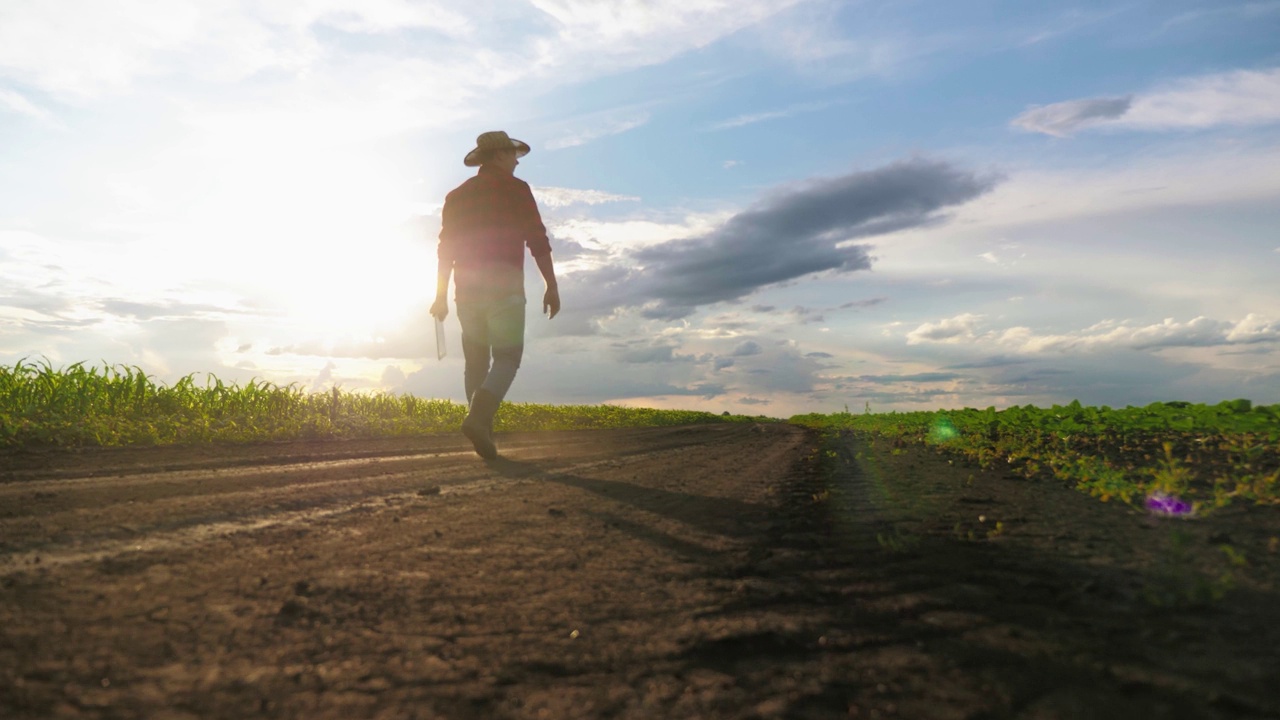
(321, 232)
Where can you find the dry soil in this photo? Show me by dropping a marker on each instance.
(713, 571)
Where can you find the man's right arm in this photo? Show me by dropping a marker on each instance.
(440, 308)
(444, 263)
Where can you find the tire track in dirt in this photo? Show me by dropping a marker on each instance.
(187, 519)
(459, 605)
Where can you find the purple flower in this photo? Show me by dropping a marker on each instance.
(1164, 504)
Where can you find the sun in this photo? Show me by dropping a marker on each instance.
(322, 233)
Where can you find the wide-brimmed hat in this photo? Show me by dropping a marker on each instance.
(492, 142)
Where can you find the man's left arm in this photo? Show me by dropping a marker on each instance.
(550, 298)
(540, 248)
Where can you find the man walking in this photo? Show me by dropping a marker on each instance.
(486, 223)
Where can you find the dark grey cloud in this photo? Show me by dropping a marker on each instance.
(806, 315)
(631, 353)
(148, 311)
(819, 355)
(793, 233)
(1033, 376)
(753, 401)
(570, 249)
(43, 303)
(705, 390)
(723, 363)
(1250, 351)
(858, 396)
(746, 349)
(991, 362)
(1062, 119)
(916, 378)
(869, 302)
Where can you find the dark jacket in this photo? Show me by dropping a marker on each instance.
(485, 226)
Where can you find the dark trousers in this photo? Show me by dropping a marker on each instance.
(492, 343)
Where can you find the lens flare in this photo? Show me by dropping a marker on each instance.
(1159, 503)
(943, 430)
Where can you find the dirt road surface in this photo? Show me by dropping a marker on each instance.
(716, 571)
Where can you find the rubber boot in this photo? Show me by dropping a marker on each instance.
(477, 426)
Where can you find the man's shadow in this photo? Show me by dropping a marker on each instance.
(726, 517)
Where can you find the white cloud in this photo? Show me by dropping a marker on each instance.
(752, 118)
(1062, 119)
(810, 37)
(949, 330)
(635, 233)
(593, 36)
(1199, 176)
(561, 197)
(1200, 17)
(83, 49)
(282, 68)
(1254, 328)
(20, 104)
(1197, 332)
(1242, 97)
(585, 135)
(1066, 23)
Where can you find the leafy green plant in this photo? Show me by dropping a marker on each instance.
(1203, 457)
(43, 406)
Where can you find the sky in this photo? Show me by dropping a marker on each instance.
(755, 206)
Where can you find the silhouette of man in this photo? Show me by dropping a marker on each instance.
(486, 223)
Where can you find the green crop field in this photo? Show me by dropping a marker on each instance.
(1184, 458)
(77, 406)
(1173, 457)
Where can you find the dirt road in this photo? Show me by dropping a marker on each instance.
(717, 571)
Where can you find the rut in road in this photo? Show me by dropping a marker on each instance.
(52, 522)
(442, 598)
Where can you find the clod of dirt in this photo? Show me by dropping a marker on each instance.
(303, 588)
(292, 612)
(429, 491)
(555, 512)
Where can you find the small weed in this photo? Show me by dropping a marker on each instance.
(899, 542)
(821, 497)
(1176, 584)
(1170, 477)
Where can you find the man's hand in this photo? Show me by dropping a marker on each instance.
(551, 302)
(440, 308)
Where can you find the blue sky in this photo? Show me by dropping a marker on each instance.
(762, 207)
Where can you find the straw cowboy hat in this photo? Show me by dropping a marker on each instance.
(492, 142)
